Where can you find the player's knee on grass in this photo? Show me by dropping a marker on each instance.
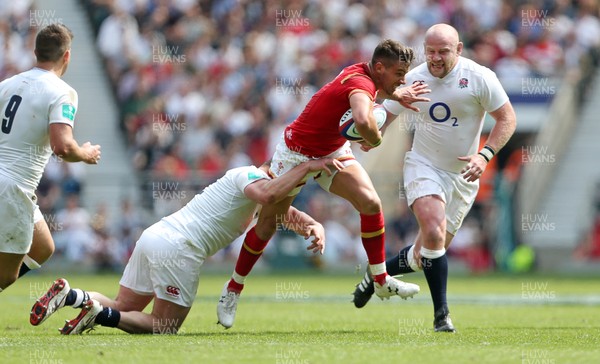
(166, 325)
(167, 317)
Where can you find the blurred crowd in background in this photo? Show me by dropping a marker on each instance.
(204, 86)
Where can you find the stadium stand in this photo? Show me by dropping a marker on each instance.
(203, 86)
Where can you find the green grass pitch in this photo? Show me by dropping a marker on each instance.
(302, 319)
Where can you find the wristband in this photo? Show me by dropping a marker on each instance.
(490, 149)
(487, 153)
(484, 157)
(376, 144)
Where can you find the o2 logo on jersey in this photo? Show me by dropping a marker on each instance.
(440, 113)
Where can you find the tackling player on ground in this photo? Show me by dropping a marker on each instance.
(442, 169)
(315, 134)
(37, 109)
(165, 263)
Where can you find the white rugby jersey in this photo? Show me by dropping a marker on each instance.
(449, 126)
(221, 213)
(29, 102)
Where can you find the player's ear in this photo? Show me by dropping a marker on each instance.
(459, 48)
(379, 67)
(67, 56)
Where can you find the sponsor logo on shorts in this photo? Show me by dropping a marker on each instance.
(173, 291)
(280, 168)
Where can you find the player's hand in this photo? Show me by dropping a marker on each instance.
(476, 164)
(329, 165)
(408, 95)
(318, 233)
(365, 146)
(91, 153)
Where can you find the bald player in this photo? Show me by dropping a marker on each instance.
(442, 170)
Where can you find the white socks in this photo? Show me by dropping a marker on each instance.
(411, 259)
(425, 253)
(30, 263)
(377, 269)
(432, 254)
(239, 279)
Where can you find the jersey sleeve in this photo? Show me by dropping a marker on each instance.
(492, 95)
(248, 176)
(63, 110)
(359, 83)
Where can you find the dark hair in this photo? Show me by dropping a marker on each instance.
(389, 51)
(52, 42)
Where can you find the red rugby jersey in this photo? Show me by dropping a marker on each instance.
(315, 133)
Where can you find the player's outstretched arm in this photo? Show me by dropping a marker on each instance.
(408, 95)
(303, 224)
(66, 147)
(269, 192)
(506, 123)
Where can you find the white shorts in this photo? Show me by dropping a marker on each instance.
(18, 212)
(286, 159)
(165, 264)
(37, 215)
(423, 179)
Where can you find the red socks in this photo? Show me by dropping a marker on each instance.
(249, 254)
(372, 230)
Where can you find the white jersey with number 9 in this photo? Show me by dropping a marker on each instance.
(29, 103)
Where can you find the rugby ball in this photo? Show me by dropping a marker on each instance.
(348, 129)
